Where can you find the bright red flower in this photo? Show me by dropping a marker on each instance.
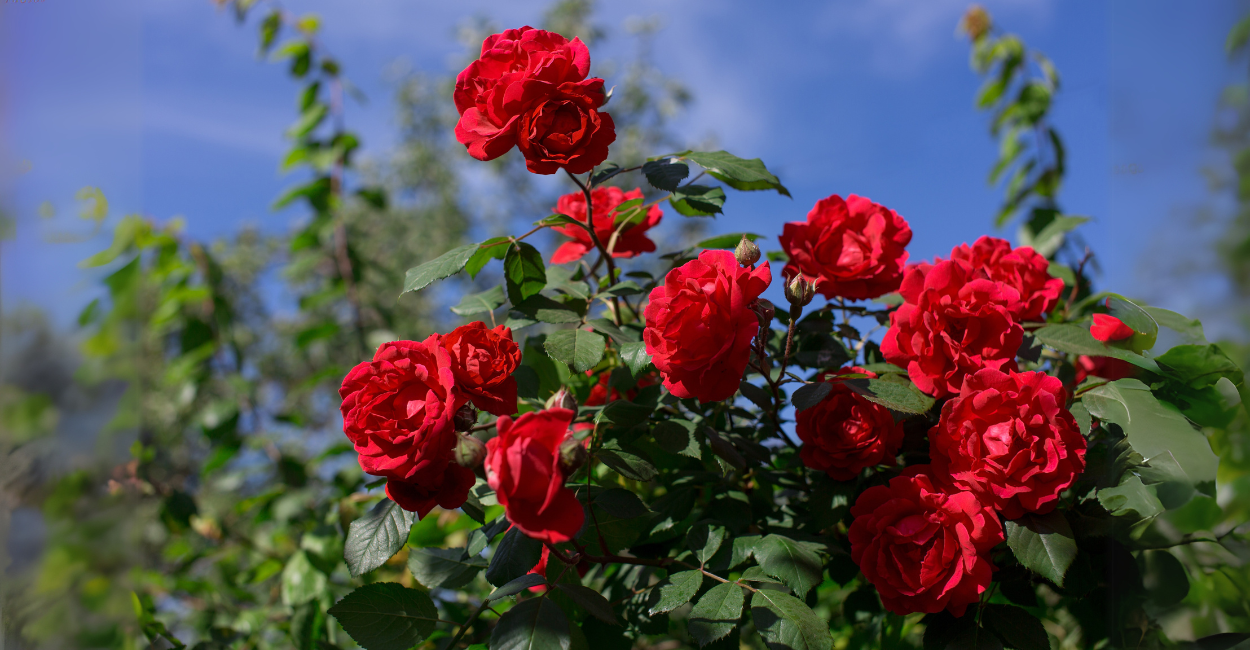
(529, 88)
(1021, 269)
(629, 242)
(951, 326)
(851, 249)
(1010, 439)
(397, 412)
(1108, 368)
(845, 432)
(924, 549)
(1108, 328)
(483, 361)
(700, 325)
(523, 467)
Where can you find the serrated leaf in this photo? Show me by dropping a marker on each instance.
(677, 437)
(386, 616)
(1018, 628)
(481, 537)
(605, 326)
(705, 540)
(491, 249)
(635, 356)
(480, 303)
(516, 586)
(665, 174)
(534, 624)
(716, 613)
(810, 395)
(787, 623)
(576, 347)
(515, 555)
(443, 266)
(1131, 499)
(901, 397)
(621, 503)
(1043, 544)
(679, 590)
(524, 272)
(698, 200)
(795, 565)
(376, 537)
(627, 464)
(739, 173)
(624, 413)
(757, 395)
(743, 549)
(548, 310)
(446, 568)
(590, 600)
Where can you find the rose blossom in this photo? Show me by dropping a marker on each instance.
(1020, 268)
(1010, 439)
(845, 432)
(700, 325)
(924, 549)
(523, 467)
(1108, 328)
(850, 249)
(483, 361)
(630, 242)
(951, 326)
(397, 412)
(1108, 368)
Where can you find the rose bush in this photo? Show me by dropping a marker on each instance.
(629, 242)
(483, 361)
(523, 467)
(849, 248)
(846, 432)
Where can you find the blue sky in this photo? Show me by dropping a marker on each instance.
(164, 105)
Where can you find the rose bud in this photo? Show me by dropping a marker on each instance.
(573, 455)
(747, 252)
(764, 310)
(470, 452)
(799, 291)
(562, 399)
(465, 418)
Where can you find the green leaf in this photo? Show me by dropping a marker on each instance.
(605, 326)
(1178, 456)
(317, 193)
(445, 265)
(1076, 339)
(635, 356)
(698, 200)
(516, 586)
(743, 549)
(728, 241)
(621, 503)
(716, 613)
(559, 220)
(308, 120)
(624, 413)
(705, 540)
(1043, 544)
(491, 249)
(809, 395)
(560, 278)
(677, 591)
(534, 624)
(795, 565)
(1145, 329)
(665, 174)
(787, 623)
(515, 555)
(386, 616)
(1130, 499)
(1199, 366)
(376, 537)
(590, 600)
(301, 581)
(576, 347)
(1018, 628)
(901, 397)
(524, 272)
(1164, 578)
(446, 568)
(548, 310)
(738, 173)
(677, 437)
(626, 463)
(1190, 329)
(1051, 237)
(480, 303)
(1237, 36)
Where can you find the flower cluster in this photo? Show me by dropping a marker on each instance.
(529, 89)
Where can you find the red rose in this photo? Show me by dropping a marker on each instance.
(483, 361)
(599, 392)
(700, 325)
(1108, 328)
(529, 88)
(630, 242)
(397, 412)
(1010, 439)
(1108, 368)
(924, 549)
(951, 326)
(851, 249)
(1021, 269)
(541, 569)
(523, 467)
(565, 130)
(845, 432)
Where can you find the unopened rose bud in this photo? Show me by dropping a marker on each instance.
(799, 291)
(747, 252)
(573, 455)
(465, 418)
(976, 22)
(470, 452)
(764, 311)
(562, 399)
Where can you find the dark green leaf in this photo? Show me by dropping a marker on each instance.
(809, 395)
(308, 120)
(627, 464)
(1018, 628)
(901, 397)
(621, 503)
(445, 265)
(534, 624)
(559, 220)
(1043, 543)
(795, 565)
(679, 590)
(1164, 578)
(635, 356)
(757, 395)
(590, 600)
(516, 586)
(1145, 329)
(716, 613)
(515, 555)
(480, 538)
(1131, 499)
(698, 200)
(1237, 36)
(1224, 641)
(524, 272)
(491, 249)
(624, 413)
(728, 241)
(576, 347)
(446, 568)
(677, 437)
(548, 310)
(375, 197)
(1189, 329)
(605, 326)
(665, 174)
(738, 173)
(1199, 366)
(480, 303)
(386, 616)
(376, 537)
(1076, 339)
(743, 549)
(705, 540)
(786, 623)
